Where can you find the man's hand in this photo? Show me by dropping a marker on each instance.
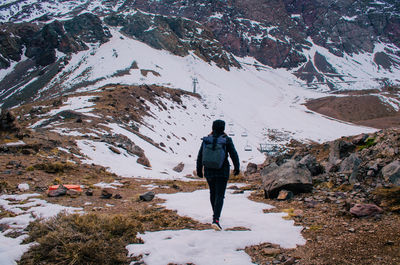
(236, 172)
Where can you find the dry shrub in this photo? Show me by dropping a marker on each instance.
(155, 219)
(54, 167)
(81, 239)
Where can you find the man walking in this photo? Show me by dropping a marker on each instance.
(213, 157)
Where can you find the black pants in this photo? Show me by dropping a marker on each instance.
(217, 194)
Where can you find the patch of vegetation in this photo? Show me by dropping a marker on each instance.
(52, 168)
(155, 219)
(368, 143)
(82, 239)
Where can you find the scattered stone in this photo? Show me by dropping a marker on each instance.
(115, 150)
(117, 196)
(73, 193)
(391, 172)
(60, 191)
(271, 251)
(251, 169)
(23, 186)
(89, 192)
(290, 261)
(298, 213)
(339, 150)
(361, 210)
(106, 193)
(360, 139)
(311, 204)
(389, 243)
(148, 196)
(179, 167)
(311, 163)
(285, 195)
(174, 186)
(351, 165)
(351, 230)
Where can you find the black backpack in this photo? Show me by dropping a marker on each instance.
(214, 153)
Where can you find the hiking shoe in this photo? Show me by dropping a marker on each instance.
(216, 225)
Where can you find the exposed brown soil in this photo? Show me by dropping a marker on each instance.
(333, 236)
(360, 108)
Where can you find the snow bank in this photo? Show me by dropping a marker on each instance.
(212, 247)
(26, 208)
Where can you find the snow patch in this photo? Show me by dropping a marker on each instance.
(223, 247)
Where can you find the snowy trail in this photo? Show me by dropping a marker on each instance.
(216, 247)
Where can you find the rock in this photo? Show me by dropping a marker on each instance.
(148, 196)
(60, 191)
(290, 176)
(89, 192)
(350, 165)
(361, 210)
(143, 160)
(360, 139)
(179, 167)
(329, 167)
(269, 168)
(285, 195)
(391, 172)
(251, 169)
(174, 186)
(23, 187)
(117, 196)
(298, 213)
(389, 243)
(238, 192)
(8, 121)
(73, 193)
(339, 150)
(106, 193)
(115, 150)
(311, 163)
(290, 261)
(271, 251)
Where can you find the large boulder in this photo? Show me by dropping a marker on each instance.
(291, 176)
(391, 172)
(251, 169)
(339, 150)
(361, 210)
(351, 165)
(311, 163)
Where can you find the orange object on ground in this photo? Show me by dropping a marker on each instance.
(68, 186)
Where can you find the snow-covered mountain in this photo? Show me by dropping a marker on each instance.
(253, 64)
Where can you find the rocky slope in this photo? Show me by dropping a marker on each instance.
(321, 43)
